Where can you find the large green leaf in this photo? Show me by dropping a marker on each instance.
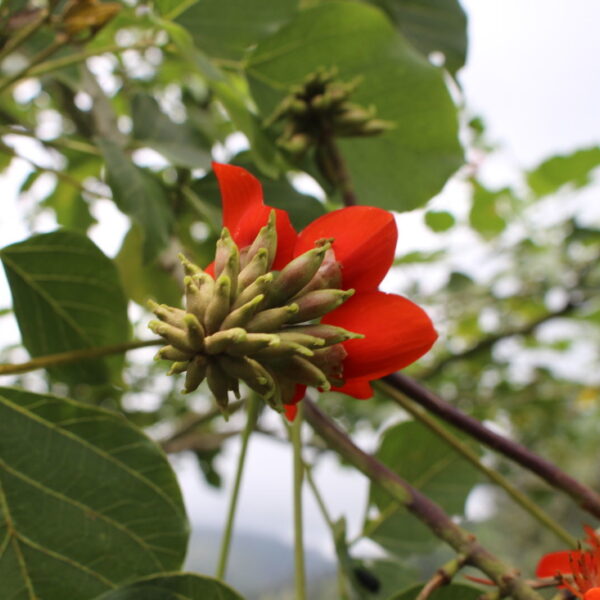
(448, 592)
(86, 500)
(66, 295)
(407, 165)
(140, 195)
(557, 171)
(180, 144)
(431, 466)
(431, 26)
(228, 29)
(174, 586)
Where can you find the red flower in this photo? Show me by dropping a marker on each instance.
(583, 567)
(397, 332)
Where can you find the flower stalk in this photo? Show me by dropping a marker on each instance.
(298, 474)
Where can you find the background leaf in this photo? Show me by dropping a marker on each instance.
(439, 221)
(557, 171)
(174, 586)
(138, 194)
(87, 500)
(403, 86)
(431, 26)
(67, 295)
(227, 29)
(179, 143)
(430, 465)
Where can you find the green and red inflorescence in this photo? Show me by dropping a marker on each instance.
(255, 325)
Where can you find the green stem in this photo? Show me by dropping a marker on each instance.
(23, 34)
(300, 574)
(432, 515)
(253, 405)
(71, 356)
(72, 59)
(526, 503)
(56, 45)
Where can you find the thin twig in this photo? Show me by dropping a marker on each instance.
(443, 576)
(72, 356)
(587, 499)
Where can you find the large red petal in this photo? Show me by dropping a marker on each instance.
(554, 563)
(397, 332)
(593, 594)
(244, 212)
(357, 388)
(365, 241)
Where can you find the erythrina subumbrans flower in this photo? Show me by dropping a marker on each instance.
(577, 570)
(280, 310)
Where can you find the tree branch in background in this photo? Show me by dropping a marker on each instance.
(465, 544)
(585, 497)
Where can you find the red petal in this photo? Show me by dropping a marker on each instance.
(593, 594)
(556, 562)
(397, 332)
(365, 241)
(357, 388)
(244, 212)
(240, 191)
(290, 410)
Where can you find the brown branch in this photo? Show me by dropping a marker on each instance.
(443, 576)
(504, 576)
(488, 342)
(587, 498)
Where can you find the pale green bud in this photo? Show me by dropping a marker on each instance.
(272, 319)
(318, 303)
(218, 307)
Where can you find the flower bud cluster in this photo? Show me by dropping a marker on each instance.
(255, 325)
(321, 106)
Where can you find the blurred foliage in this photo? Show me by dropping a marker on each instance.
(127, 103)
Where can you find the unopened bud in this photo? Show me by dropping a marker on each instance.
(272, 319)
(227, 260)
(301, 370)
(253, 343)
(195, 331)
(318, 303)
(218, 383)
(198, 292)
(266, 238)
(282, 350)
(295, 275)
(174, 336)
(240, 316)
(178, 367)
(295, 336)
(260, 287)
(168, 314)
(171, 353)
(195, 374)
(218, 306)
(189, 267)
(251, 372)
(221, 340)
(329, 275)
(255, 268)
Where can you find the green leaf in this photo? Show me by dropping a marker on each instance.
(419, 257)
(66, 295)
(557, 171)
(142, 281)
(174, 586)
(228, 29)
(448, 592)
(431, 466)
(439, 221)
(86, 500)
(484, 215)
(178, 143)
(431, 26)
(138, 194)
(407, 165)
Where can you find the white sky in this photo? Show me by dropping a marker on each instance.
(533, 75)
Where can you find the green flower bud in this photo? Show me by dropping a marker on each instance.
(227, 260)
(195, 331)
(301, 370)
(195, 374)
(174, 354)
(240, 316)
(218, 306)
(218, 383)
(175, 336)
(267, 239)
(318, 303)
(253, 343)
(255, 268)
(221, 340)
(272, 319)
(198, 292)
(259, 287)
(251, 372)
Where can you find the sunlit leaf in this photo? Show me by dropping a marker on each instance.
(404, 167)
(431, 26)
(87, 500)
(484, 215)
(66, 295)
(228, 29)
(439, 221)
(557, 171)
